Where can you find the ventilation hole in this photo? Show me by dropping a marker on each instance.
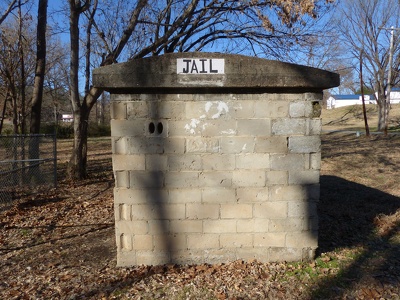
(152, 127)
(316, 109)
(160, 128)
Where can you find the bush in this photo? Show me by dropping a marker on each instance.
(63, 131)
(98, 130)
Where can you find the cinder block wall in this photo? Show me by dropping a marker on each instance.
(204, 176)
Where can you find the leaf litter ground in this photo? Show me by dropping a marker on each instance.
(60, 244)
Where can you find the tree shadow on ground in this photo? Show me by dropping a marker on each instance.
(349, 214)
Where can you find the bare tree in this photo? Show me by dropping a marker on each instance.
(16, 66)
(9, 7)
(362, 24)
(153, 27)
(81, 109)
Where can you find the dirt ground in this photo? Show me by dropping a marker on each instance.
(60, 244)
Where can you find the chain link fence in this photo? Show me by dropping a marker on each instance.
(27, 163)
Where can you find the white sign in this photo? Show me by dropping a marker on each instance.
(200, 66)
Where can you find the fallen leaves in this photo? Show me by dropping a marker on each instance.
(60, 244)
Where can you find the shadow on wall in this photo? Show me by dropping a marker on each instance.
(152, 183)
(348, 217)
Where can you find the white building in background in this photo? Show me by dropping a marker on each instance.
(67, 118)
(394, 96)
(336, 101)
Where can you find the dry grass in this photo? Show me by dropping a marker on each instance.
(351, 118)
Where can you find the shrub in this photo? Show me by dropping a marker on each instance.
(98, 130)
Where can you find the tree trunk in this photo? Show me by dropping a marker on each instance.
(15, 113)
(3, 113)
(385, 120)
(383, 112)
(77, 166)
(22, 75)
(362, 96)
(37, 96)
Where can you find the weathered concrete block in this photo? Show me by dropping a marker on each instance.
(137, 110)
(188, 226)
(301, 240)
(172, 110)
(181, 179)
(304, 144)
(289, 126)
(315, 161)
(153, 257)
(118, 110)
(120, 145)
(219, 162)
(237, 144)
(285, 162)
(277, 177)
(125, 242)
(202, 211)
(125, 258)
(249, 254)
(304, 177)
(219, 226)
(173, 145)
(202, 145)
(269, 239)
(242, 109)
(237, 240)
(252, 161)
(253, 225)
(123, 212)
(128, 226)
(184, 195)
(254, 127)
(236, 211)
(146, 179)
(288, 225)
(271, 109)
(252, 194)
(184, 162)
(314, 127)
(271, 210)
(218, 127)
(273, 144)
(209, 110)
(203, 241)
(170, 242)
(142, 242)
(159, 227)
(218, 195)
(245, 178)
(126, 128)
(122, 179)
(215, 179)
(298, 209)
(288, 193)
(156, 162)
(128, 162)
(301, 109)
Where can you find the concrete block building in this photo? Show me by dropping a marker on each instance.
(216, 157)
